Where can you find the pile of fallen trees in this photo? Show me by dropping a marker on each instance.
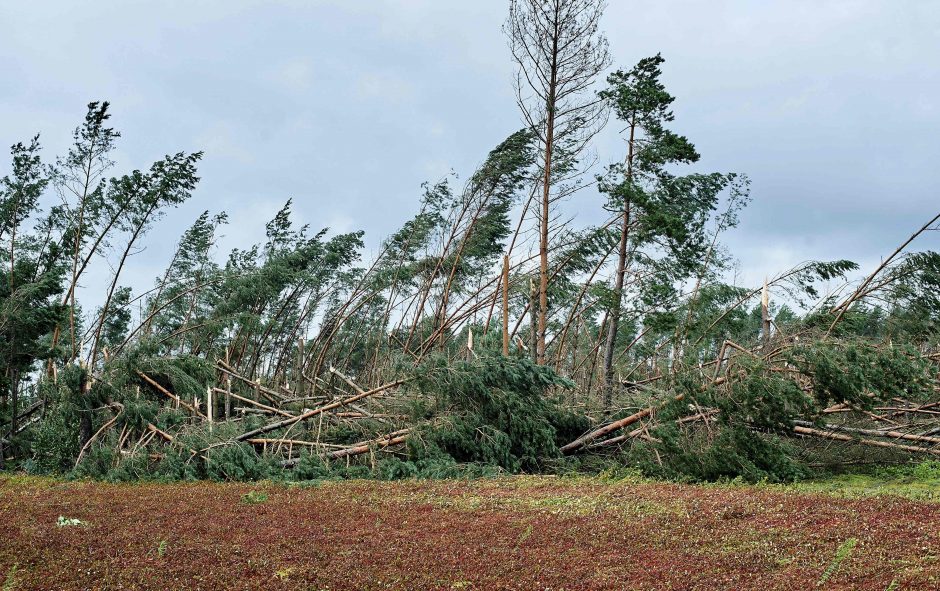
(899, 414)
(296, 422)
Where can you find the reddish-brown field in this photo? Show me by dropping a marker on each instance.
(512, 533)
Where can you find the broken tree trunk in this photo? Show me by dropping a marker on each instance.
(252, 402)
(611, 427)
(624, 422)
(839, 437)
(876, 433)
(505, 286)
(361, 449)
(317, 411)
(268, 393)
(357, 449)
(171, 395)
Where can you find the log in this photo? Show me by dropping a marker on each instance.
(351, 383)
(317, 411)
(361, 449)
(638, 432)
(268, 393)
(270, 441)
(252, 402)
(611, 427)
(162, 434)
(839, 437)
(166, 392)
(875, 433)
(621, 423)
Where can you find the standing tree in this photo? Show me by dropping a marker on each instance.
(559, 51)
(29, 279)
(80, 180)
(660, 212)
(143, 197)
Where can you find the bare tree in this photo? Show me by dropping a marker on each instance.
(559, 51)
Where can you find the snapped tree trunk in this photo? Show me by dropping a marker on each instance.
(84, 423)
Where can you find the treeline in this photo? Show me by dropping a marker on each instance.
(490, 333)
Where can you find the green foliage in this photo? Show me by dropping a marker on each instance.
(498, 412)
(55, 443)
(254, 497)
(736, 444)
(842, 553)
(9, 583)
(238, 462)
(862, 373)
(284, 310)
(757, 404)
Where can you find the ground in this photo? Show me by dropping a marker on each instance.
(506, 533)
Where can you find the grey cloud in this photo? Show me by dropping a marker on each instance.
(347, 106)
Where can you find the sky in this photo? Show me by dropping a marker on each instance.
(831, 107)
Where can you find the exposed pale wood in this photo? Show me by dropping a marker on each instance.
(270, 441)
(162, 434)
(171, 395)
(621, 423)
(317, 411)
(343, 377)
(361, 449)
(839, 437)
(253, 403)
(209, 409)
(765, 314)
(268, 393)
(105, 427)
(876, 433)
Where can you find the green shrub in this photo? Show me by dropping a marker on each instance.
(254, 497)
(239, 462)
(495, 411)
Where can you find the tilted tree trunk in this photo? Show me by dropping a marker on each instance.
(614, 325)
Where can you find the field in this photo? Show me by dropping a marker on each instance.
(507, 533)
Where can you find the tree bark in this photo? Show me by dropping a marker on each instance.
(614, 326)
(533, 311)
(506, 305)
(546, 201)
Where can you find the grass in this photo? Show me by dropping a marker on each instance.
(920, 482)
(844, 551)
(254, 497)
(505, 533)
(9, 584)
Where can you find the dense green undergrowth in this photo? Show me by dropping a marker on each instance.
(492, 415)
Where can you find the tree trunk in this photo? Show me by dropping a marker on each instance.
(506, 305)
(533, 311)
(14, 401)
(546, 202)
(84, 424)
(615, 309)
(614, 324)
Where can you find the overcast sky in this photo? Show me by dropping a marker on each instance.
(831, 107)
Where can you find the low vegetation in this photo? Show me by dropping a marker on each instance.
(508, 533)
